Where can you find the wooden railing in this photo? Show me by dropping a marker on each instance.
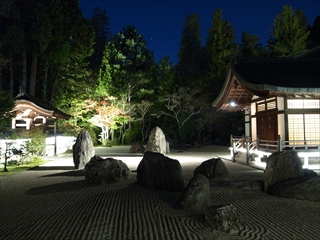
(246, 144)
(240, 143)
(298, 145)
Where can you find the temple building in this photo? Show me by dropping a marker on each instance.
(280, 98)
(32, 112)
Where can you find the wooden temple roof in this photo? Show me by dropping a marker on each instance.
(30, 106)
(269, 77)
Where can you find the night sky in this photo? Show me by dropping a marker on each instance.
(161, 21)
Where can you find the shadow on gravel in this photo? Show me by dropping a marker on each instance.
(61, 187)
(74, 173)
(82, 187)
(115, 155)
(50, 168)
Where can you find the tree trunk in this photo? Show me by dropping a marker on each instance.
(11, 83)
(130, 88)
(53, 84)
(45, 81)
(112, 134)
(5, 163)
(33, 73)
(23, 86)
(104, 135)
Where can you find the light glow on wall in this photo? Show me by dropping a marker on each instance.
(233, 104)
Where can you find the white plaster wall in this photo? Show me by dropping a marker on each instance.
(253, 108)
(253, 122)
(254, 129)
(280, 103)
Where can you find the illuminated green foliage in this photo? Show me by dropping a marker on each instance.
(6, 105)
(132, 62)
(220, 48)
(101, 25)
(250, 46)
(289, 34)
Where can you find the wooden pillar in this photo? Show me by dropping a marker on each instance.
(279, 144)
(233, 147)
(28, 123)
(13, 123)
(247, 150)
(55, 137)
(231, 140)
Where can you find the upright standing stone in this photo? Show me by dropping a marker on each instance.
(282, 166)
(157, 141)
(196, 196)
(83, 149)
(160, 172)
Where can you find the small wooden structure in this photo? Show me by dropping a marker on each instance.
(280, 98)
(32, 111)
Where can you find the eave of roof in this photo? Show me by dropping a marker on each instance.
(265, 77)
(42, 106)
(270, 74)
(233, 92)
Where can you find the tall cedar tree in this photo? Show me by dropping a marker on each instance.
(37, 28)
(220, 48)
(250, 46)
(11, 39)
(41, 34)
(164, 77)
(289, 35)
(189, 66)
(314, 37)
(101, 25)
(75, 83)
(132, 62)
(6, 105)
(72, 41)
(126, 72)
(104, 85)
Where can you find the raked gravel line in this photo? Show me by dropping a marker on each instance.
(56, 203)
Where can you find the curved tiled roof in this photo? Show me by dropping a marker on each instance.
(45, 106)
(301, 73)
(265, 77)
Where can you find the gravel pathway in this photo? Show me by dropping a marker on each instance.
(54, 202)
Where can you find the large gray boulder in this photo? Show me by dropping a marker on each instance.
(282, 166)
(300, 189)
(212, 168)
(108, 169)
(157, 141)
(224, 218)
(196, 196)
(158, 171)
(83, 149)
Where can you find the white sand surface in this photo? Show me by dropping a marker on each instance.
(53, 201)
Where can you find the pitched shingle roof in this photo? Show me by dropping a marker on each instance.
(266, 77)
(301, 73)
(26, 98)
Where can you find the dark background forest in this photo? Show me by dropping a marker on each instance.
(111, 84)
